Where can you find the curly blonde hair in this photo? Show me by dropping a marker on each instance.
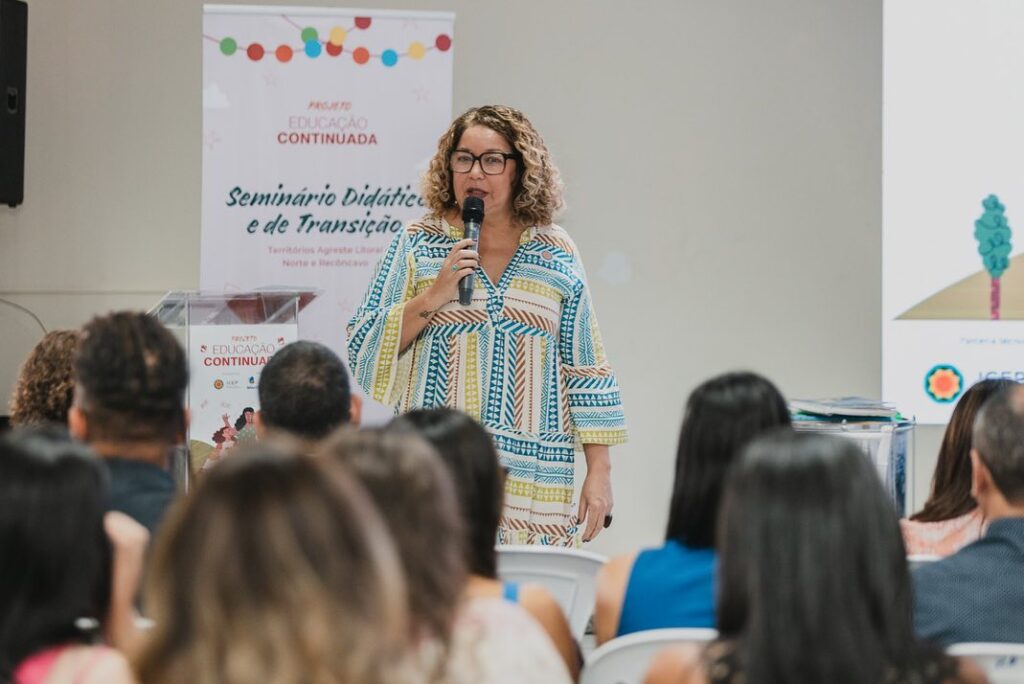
(537, 188)
(46, 382)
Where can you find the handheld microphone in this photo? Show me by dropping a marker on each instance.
(472, 217)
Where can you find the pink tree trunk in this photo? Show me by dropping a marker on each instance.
(994, 299)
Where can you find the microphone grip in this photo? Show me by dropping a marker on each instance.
(472, 231)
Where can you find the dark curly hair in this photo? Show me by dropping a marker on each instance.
(131, 376)
(46, 384)
(537, 189)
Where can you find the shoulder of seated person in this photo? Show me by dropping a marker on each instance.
(679, 664)
(113, 668)
(98, 665)
(536, 598)
(614, 575)
(969, 672)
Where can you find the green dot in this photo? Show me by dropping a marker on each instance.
(228, 46)
(309, 33)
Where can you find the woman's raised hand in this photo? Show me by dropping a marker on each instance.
(459, 263)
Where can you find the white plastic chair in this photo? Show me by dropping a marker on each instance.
(569, 574)
(626, 659)
(1003, 663)
(916, 560)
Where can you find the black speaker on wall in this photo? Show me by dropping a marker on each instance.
(13, 47)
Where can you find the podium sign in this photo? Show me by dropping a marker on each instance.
(229, 338)
(225, 362)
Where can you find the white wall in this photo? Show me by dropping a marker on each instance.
(727, 152)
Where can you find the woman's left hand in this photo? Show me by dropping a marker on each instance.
(596, 495)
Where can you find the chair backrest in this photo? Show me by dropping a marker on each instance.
(626, 659)
(916, 560)
(570, 575)
(1003, 663)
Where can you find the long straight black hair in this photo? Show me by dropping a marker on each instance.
(722, 415)
(813, 579)
(54, 552)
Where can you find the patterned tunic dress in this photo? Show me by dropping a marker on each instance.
(524, 358)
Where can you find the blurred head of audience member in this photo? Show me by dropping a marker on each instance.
(55, 557)
(414, 494)
(951, 485)
(304, 392)
(813, 578)
(997, 456)
(468, 452)
(722, 416)
(473, 464)
(131, 375)
(673, 585)
(950, 518)
(275, 569)
(46, 383)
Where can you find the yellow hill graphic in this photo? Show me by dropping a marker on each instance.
(969, 299)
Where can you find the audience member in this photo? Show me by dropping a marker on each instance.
(46, 384)
(275, 570)
(131, 377)
(468, 451)
(977, 594)
(414, 495)
(673, 585)
(304, 392)
(55, 562)
(951, 518)
(489, 640)
(813, 577)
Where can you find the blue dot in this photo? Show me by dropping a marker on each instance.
(313, 48)
(389, 58)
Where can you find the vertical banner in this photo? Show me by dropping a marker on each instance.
(953, 201)
(317, 126)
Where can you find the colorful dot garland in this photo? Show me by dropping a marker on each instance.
(313, 47)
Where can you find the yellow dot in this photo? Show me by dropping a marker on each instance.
(416, 50)
(337, 35)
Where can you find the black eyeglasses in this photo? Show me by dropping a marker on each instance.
(491, 163)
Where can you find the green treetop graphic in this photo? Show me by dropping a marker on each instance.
(993, 235)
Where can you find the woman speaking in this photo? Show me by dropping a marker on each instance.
(524, 356)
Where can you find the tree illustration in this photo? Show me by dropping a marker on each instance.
(993, 235)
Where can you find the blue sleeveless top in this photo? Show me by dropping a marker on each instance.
(510, 592)
(671, 586)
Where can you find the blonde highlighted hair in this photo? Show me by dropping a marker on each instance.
(537, 188)
(275, 570)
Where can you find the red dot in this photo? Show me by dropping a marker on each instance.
(443, 42)
(332, 49)
(255, 52)
(363, 22)
(283, 53)
(361, 55)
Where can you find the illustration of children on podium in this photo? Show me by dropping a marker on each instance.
(245, 426)
(224, 440)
